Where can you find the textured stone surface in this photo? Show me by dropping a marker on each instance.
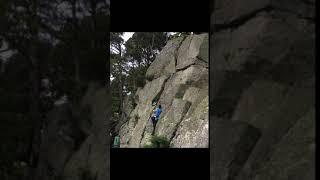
(177, 85)
(194, 129)
(58, 143)
(228, 11)
(140, 116)
(190, 93)
(168, 124)
(180, 93)
(128, 106)
(263, 86)
(71, 147)
(193, 50)
(93, 154)
(233, 143)
(294, 155)
(165, 62)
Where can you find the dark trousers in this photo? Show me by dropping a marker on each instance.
(154, 122)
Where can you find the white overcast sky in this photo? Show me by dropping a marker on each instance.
(127, 35)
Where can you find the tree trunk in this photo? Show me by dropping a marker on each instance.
(76, 66)
(35, 113)
(120, 81)
(150, 51)
(74, 53)
(34, 92)
(35, 116)
(93, 6)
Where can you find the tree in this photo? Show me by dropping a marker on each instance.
(68, 49)
(129, 63)
(141, 50)
(142, 47)
(117, 66)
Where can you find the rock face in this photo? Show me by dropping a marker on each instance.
(75, 143)
(263, 90)
(178, 80)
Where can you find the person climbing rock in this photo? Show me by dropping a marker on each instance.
(155, 117)
(116, 142)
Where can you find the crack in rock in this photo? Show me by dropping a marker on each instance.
(234, 24)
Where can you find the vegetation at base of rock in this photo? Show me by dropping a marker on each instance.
(149, 78)
(158, 142)
(140, 82)
(175, 70)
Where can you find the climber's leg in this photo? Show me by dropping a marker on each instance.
(154, 122)
(152, 132)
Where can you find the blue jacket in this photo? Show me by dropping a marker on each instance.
(158, 112)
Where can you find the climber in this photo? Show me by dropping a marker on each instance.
(155, 117)
(116, 142)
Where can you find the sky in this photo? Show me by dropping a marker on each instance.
(127, 35)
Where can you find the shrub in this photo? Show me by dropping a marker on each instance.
(149, 77)
(158, 142)
(140, 80)
(156, 98)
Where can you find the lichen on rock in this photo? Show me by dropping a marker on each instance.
(177, 78)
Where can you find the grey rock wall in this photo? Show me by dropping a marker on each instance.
(262, 90)
(75, 143)
(178, 79)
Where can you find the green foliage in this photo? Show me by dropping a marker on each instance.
(149, 78)
(136, 78)
(129, 67)
(149, 146)
(157, 97)
(158, 142)
(142, 45)
(47, 46)
(140, 82)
